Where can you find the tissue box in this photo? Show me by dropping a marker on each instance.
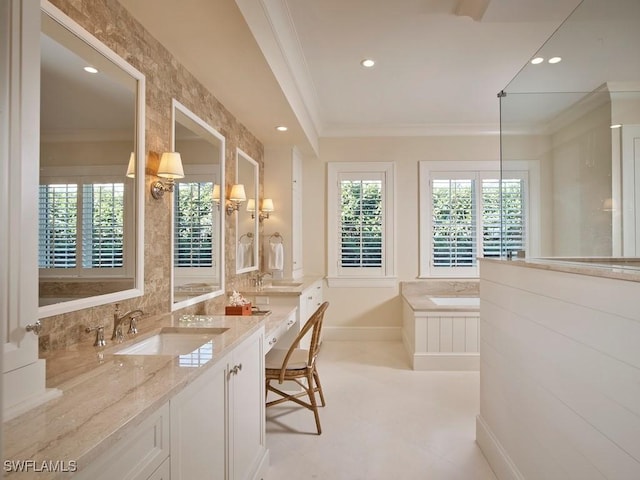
(238, 309)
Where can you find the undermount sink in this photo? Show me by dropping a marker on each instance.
(456, 301)
(173, 341)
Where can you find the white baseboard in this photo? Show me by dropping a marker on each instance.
(362, 333)
(446, 361)
(498, 459)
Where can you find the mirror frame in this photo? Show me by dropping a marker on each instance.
(177, 106)
(138, 287)
(241, 155)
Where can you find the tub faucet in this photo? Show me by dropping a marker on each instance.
(132, 315)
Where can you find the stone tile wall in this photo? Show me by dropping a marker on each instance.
(111, 23)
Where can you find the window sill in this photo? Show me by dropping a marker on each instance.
(351, 282)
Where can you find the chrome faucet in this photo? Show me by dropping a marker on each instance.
(132, 315)
(259, 278)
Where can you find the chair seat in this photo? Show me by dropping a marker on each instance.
(297, 361)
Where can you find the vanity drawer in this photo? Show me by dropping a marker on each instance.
(283, 335)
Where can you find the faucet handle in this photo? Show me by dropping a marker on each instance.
(133, 325)
(100, 341)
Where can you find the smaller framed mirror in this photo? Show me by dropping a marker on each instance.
(247, 240)
(198, 217)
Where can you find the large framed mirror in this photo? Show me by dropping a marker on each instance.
(90, 243)
(198, 217)
(247, 241)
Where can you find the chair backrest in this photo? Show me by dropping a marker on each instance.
(315, 324)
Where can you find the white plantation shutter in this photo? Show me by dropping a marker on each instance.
(453, 223)
(361, 223)
(193, 244)
(58, 224)
(512, 238)
(102, 225)
(81, 226)
(470, 214)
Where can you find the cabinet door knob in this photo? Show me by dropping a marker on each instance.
(34, 327)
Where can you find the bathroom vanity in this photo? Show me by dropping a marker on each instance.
(149, 416)
(305, 294)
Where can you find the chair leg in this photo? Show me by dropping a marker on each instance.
(319, 387)
(312, 399)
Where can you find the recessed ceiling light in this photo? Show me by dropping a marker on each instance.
(367, 62)
(555, 60)
(90, 69)
(617, 125)
(537, 60)
(281, 128)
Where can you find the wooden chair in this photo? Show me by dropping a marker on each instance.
(298, 365)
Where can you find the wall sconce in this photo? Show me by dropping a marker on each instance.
(236, 197)
(170, 167)
(131, 168)
(251, 207)
(267, 208)
(215, 195)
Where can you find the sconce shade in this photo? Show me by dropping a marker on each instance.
(170, 165)
(237, 193)
(216, 193)
(251, 205)
(131, 168)
(267, 205)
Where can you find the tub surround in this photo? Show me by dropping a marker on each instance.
(560, 368)
(440, 336)
(418, 294)
(105, 396)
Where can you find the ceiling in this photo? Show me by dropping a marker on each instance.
(440, 63)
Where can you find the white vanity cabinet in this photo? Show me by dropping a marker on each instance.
(142, 454)
(218, 422)
(307, 301)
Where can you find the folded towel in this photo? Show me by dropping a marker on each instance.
(245, 255)
(276, 256)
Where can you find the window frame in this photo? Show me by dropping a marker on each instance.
(87, 175)
(338, 275)
(477, 171)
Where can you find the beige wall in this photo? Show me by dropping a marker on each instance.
(378, 307)
(166, 78)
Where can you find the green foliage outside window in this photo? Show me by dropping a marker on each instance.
(361, 223)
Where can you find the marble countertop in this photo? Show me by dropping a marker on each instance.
(624, 268)
(287, 287)
(105, 396)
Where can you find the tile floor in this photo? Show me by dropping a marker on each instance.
(383, 421)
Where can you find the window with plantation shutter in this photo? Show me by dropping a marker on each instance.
(58, 219)
(495, 244)
(82, 222)
(102, 225)
(193, 239)
(361, 224)
(466, 214)
(454, 223)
